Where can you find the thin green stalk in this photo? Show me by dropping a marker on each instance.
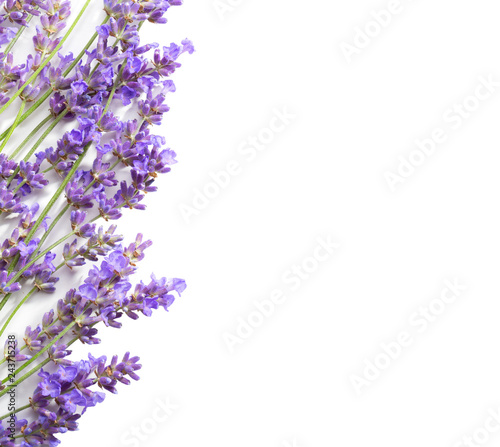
(52, 225)
(33, 371)
(17, 410)
(14, 125)
(39, 221)
(32, 359)
(113, 90)
(29, 264)
(54, 198)
(48, 59)
(41, 140)
(31, 292)
(56, 195)
(40, 255)
(32, 109)
(19, 186)
(22, 302)
(30, 136)
(48, 169)
(46, 134)
(12, 266)
(84, 50)
(60, 241)
(25, 407)
(23, 378)
(44, 97)
(51, 203)
(66, 207)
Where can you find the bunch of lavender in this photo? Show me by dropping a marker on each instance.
(103, 163)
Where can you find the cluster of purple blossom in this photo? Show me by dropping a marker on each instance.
(104, 297)
(123, 157)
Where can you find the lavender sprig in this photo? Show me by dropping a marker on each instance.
(125, 158)
(102, 298)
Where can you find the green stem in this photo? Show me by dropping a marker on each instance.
(56, 195)
(23, 378)
(52, 225)
(19, 186)
(63, 211)
(60, 241)
(48, 169)
(44, 237)
(54, 198)
(43, 253)
(29, 264)
(48, 207)
(44, 97)
(85, 48)
(23, 301)
(13, 127)
(45, 134)
(30, 136)
(34, 370)
(48, 59)
(25, 407)
(33, 290)
(113, 90)
(32, 359)
(17, 410)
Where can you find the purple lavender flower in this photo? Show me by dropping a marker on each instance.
(103, 164)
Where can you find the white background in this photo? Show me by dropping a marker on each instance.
(290, 383)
